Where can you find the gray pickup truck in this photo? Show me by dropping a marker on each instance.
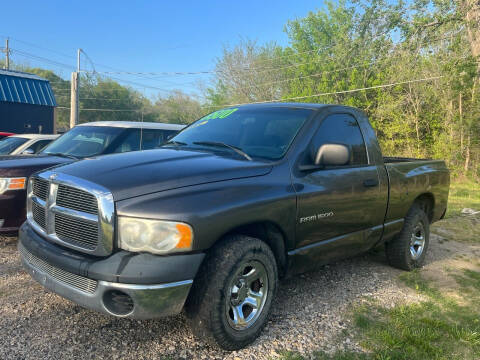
(211, 221)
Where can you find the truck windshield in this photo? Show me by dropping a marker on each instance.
(83, 141)
(264, 133)
(9, 144)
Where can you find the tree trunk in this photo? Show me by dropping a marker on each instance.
(461, 121)
(472, 15)
(467, 155)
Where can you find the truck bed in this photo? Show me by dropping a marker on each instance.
(409, 178)
(398, 159)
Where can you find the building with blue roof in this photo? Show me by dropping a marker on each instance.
(27, 103)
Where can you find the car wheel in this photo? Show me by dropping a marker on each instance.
(408, 249)
(232, 295)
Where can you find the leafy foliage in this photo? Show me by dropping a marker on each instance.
(364, 44)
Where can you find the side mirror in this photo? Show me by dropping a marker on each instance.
(28, 152)
(332, 154)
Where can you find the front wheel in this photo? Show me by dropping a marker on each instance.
(408, 249)
(232, 296)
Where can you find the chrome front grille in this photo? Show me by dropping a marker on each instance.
(81, 232)
(40, 188)
(77, 199)
(38, 213)
(76, 281)
(72, 212)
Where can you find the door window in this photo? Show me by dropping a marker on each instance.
(153, 138)
(342, 129)
(129, 143)
(39, 145)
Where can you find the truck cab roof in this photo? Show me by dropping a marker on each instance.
(284, 104)
(135, 125)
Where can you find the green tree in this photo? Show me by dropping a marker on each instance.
(178, 108)
(427, 53)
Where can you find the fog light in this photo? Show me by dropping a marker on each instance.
(118, 303)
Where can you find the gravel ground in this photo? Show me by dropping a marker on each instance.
(309, 314)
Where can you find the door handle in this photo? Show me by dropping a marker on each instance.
(370, 182)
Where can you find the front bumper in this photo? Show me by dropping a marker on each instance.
(134, 299)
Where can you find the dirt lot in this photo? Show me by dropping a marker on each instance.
(309, 314)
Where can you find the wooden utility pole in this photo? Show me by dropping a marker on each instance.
(75, 82)
(74, 100)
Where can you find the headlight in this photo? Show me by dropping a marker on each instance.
(154, 236)
(12, 184)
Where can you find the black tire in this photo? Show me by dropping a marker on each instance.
(398, 250)
(209, 305)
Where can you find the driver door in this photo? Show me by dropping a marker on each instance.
(337, 204)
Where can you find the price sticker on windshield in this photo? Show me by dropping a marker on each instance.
(220, 114)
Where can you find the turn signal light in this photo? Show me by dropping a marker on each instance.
(7, 184)
(17, 183)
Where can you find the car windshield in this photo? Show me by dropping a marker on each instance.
(83, 141)
(10, 144)
(264, 133)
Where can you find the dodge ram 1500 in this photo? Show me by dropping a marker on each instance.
(212, 220)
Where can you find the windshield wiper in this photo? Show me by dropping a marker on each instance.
(62, 155)
(173, 142)
(221, 144)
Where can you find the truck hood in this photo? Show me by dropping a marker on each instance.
(142, 172)
(26, 165)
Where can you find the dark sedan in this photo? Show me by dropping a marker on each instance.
(85, 140)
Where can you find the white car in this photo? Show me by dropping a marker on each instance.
(26, 144)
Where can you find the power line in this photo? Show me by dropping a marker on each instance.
(182, 73)
(141, 85)
(26, 54)
(293, 98)
(121, 72)
(322, 73)
(108, 110)
(337, 92)
(71, 67)
(247, 68)
(163, 73)
(41, 59)
(307, 76)
(143, 74)
(112, 99)
(39, 47)
(301, 77)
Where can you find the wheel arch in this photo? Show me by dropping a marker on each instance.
(270, 233)
(427, 202)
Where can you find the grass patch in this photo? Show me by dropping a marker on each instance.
(437, 328)
(463, 194)
(325, 356)
(470, 282)
(464, 228)
(455, 226)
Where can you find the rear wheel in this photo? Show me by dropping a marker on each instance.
(231, 298)
(408, 249)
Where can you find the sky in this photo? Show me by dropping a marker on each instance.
(142, 36)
